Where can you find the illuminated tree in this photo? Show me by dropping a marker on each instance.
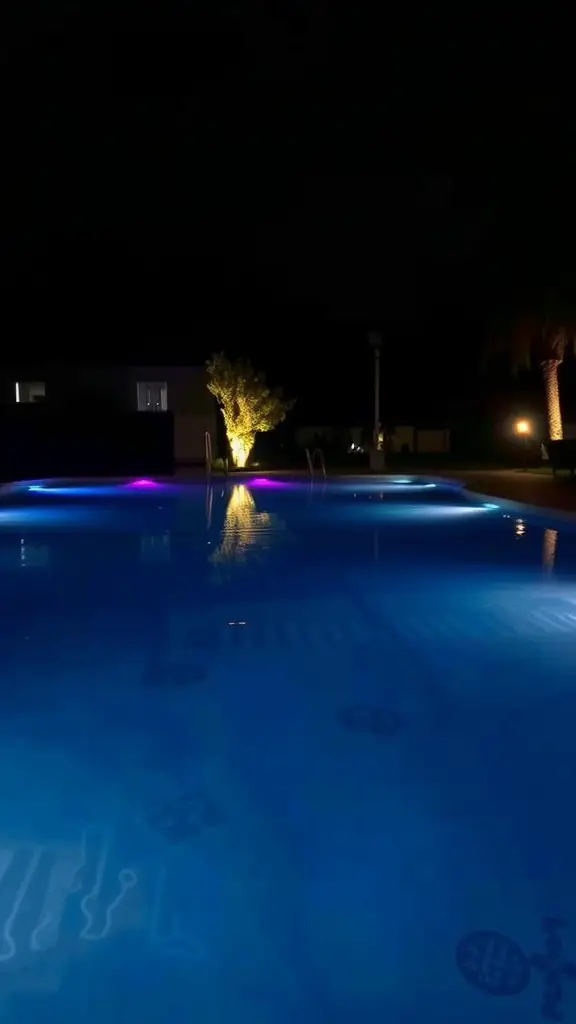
(553, 344)
(248, 405)
(539, 340)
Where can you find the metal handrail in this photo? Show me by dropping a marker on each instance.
(208, 451)
(321, 461)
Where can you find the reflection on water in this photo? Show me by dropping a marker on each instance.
(22, 553)
(155, 547)
(245, 529)
(519, 528)
(34, 556)
(209, 504)
(549, 546)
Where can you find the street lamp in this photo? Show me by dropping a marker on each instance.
(376, 452)
(523, 428)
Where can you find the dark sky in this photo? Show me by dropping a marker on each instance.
(270, 182)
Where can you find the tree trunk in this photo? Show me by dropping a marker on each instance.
(550, 371)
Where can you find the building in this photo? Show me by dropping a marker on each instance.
(422, 438)
(329, 436)
(426, 438)
(177, 390)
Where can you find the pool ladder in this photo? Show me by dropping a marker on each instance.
(208, 454)
(318, 456)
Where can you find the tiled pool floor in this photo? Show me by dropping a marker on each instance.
(313, 760)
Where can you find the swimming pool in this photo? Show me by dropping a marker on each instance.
(277, 752)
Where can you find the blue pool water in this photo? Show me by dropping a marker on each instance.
(282, 753)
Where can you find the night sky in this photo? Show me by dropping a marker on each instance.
(271, 184)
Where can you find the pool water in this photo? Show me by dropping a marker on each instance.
(277, 752)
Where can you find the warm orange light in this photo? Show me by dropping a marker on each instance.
(522, 427)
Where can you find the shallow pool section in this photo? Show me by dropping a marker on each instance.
(278, 752)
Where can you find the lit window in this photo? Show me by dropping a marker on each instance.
(29, 391)
(152, 396)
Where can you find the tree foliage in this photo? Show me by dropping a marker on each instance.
(529, 342)
(248, 405)
(543, 331)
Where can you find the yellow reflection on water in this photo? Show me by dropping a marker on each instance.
(245, 528)
(549, 546)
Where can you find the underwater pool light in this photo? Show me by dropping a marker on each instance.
(143, 483)
(490, 504)
(263, 481)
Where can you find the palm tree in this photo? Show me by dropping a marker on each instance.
(552, 345)
(541, 340)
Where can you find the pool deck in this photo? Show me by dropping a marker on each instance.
(516, 485)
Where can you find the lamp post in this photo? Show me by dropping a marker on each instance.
(523, 428)
(377, 462)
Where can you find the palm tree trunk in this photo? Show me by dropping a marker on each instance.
(550, 371)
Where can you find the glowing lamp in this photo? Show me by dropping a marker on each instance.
(522, 427)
